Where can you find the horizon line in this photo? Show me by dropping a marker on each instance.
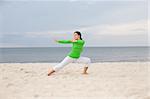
(70, 46)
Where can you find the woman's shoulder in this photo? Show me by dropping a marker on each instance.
(81, 41)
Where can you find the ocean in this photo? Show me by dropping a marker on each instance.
(57, 54)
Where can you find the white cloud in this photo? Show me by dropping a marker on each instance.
(133, 33)
(127, 34)
(10, 45)
(127, 30)
(132, 28)
(47, 33)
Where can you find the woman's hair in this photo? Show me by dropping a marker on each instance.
(79, 33)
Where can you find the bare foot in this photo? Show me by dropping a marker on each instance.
(85, 73)
(51, 71)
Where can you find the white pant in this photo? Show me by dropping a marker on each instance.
(68, 60)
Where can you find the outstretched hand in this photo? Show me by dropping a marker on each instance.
(56, 40)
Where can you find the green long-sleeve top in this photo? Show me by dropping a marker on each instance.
(77, 47)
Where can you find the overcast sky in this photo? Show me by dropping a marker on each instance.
(103, 23)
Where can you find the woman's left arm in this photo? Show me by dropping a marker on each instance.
(78, 41)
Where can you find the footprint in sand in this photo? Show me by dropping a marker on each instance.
(5, 78)
(9, 85)
(36, 95)
(21, 69)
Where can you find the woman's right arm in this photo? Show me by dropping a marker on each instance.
(64, 41)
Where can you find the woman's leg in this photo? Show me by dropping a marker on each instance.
(59, 66)
(86, 61)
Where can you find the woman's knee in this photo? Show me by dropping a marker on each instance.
(88, 61)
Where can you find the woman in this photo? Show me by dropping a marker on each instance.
(74, 55)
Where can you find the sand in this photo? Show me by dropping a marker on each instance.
(111, 80)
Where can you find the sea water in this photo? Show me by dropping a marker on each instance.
(57, 54)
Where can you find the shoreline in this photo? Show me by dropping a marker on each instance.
(60, 61)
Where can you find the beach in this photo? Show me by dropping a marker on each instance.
(108, 80)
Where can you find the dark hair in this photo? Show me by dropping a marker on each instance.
(79, 33)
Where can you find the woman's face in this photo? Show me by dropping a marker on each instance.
(76, 36)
